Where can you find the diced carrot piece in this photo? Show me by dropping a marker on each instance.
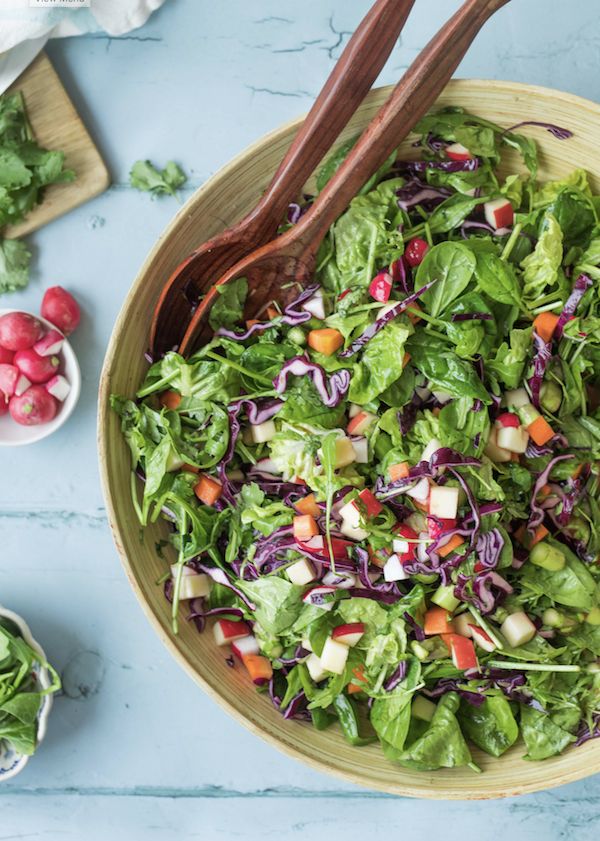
(436, 411)
(208, 490)
(308, 505)
(398, 471)
(326, 341)
(353, 688)
(528, 540)
(544, 325)
(455, 541)
(305, 527)
(541, 431)
(406, 359)
(273, 312)
(259, 667)
(577, 472)
(515, 457)
(190, 468)
(251, 322)
(170, 399)
(437, 622)
(359, 673)
(413, 317)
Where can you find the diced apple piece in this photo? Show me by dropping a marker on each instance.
(262, 432)
(361, 450)
(463, 652)
(360, 423)
(334, 655)
(518, 629)
(315, 668)
(394, 569)
(354, 409)
(457, 152)
(516, 398)
(349, 634)
(344, 452)
(423, 708)
(301, 573)
(431, 448)
(493, 451)
(227, 630)
(319, 597)
(244, 646)
(420, 491)
(515, 440)
(351, 514)
(463, 624)
(508, 419)
(339, 580)
(443, 502)
(353, 532)
(499, 213)
(193, 585)
(315, 305)
(482, 639)
(267, 465)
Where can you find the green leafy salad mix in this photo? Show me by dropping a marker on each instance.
(383, 491)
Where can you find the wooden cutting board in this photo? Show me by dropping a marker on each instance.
(57, 125)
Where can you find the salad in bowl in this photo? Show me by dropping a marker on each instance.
(383, 494)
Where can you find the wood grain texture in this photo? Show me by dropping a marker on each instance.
(57, 125)
(224, 198)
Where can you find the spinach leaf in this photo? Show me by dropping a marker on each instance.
(572, 585)
(542, 735)
(492, 726)
(444, 369)
(575, 214)
(498, 280)
(509, 362)
(380, 364)
(452, 266)
(442, 745)
(348, 716)
(228, 309)
(390, 714)
(451, 213)
(541, 267)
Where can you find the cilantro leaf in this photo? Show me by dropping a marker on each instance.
(144, 176)
(14, 265)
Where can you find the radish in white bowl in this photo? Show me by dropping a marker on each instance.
(40, 378)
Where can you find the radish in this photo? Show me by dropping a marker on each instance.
(360, 423)
(19, 330)
(50, 344)
(508, 419)
(33, 407)
(3, 404)
(61, 309)
(315, 668)
(499, 213)
(12, 381)
(245, 645)
(415, 251)
(315, 305)
(349, 634)
(334, 655)
(301, 573)
(6, 356)
(228, 630)
(482, 639)
(443, 502)
(458, 152)
(380, 287)
(394, 570)
(60, 388)
(262, 432)
(318, 596)
(518, 629)
(361, 450)
(39, 369)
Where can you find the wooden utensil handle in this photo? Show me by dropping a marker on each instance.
(356, 70)
(407, 104)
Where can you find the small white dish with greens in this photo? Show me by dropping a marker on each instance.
(384, 493)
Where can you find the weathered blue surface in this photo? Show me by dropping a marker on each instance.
(135, 750)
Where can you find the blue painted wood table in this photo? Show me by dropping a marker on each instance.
(135, 750)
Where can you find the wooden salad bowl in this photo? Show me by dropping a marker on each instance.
(230, 194)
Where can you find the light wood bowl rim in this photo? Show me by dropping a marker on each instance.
(590, 753)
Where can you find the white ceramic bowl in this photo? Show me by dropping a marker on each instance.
(12, 762)
(12, 434)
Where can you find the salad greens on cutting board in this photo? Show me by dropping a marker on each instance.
(26, 169)
(386, 492)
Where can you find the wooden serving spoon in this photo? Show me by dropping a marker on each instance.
(358, 67)
(292, 256)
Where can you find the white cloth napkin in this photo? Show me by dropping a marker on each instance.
(25, 28)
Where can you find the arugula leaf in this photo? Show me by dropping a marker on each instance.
(278, 603)
(144, 176)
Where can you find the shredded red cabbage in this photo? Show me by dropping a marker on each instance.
(381, 322)
(556, 131)
(488, 548)
(396, 678)
(537, 512)
(416, 192)
(585, 732)
(472, 316)
(488, 590)
(582, 284)
(543, 355)
(300, 366)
